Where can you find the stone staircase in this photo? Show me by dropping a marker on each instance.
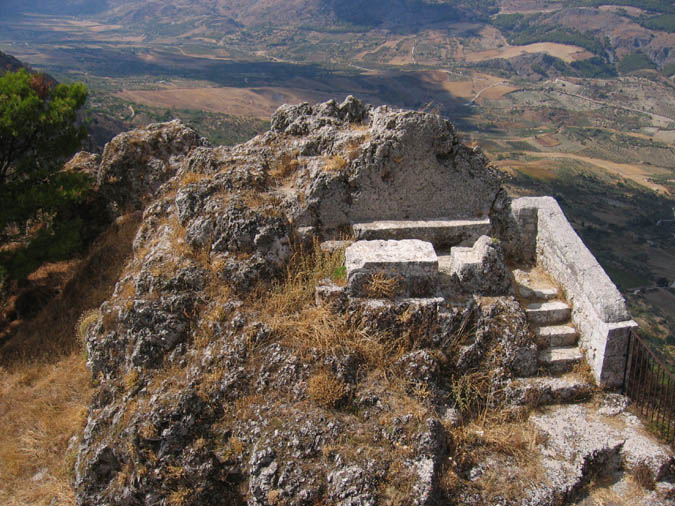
(549, 317)
(548, 314)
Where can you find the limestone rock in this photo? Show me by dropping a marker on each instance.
(84, 162)
(394, 172)
(136, 163)
(407, 268)
(480, 269)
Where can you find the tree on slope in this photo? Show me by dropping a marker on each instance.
(38, 132)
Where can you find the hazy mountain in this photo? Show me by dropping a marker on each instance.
(276, 13)
(68, 7)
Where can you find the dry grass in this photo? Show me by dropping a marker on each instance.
(45, 386)
(643, 476)
(583, 371)
(325, 389)
(471, 393)
(601, 491)
(192, 178)
(42, 406)
(334, 163)
(179, 497)
(84, 322)
(382, 286)
(288, 307)
(513, 444)
(514, 439)
(285, 165)
(50, 335)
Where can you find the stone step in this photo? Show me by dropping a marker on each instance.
(534, 284)
(444, 263)
(556, 335)
(441, 233)
(542, 391)
(537, 293)
(560, 359)
(545, 313)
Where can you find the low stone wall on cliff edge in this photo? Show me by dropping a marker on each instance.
(599, 310)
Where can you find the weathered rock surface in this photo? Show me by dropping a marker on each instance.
(398, 165)
(480, 269)
(136, 163)
(409, 266)
(219, 381)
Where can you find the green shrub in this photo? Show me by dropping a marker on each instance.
(635, 61)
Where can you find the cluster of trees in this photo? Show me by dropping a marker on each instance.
(650, 5)
(664, 22)
(39, 131)
(520, 30)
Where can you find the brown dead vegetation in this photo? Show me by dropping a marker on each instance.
(334, 163)
(382, 286)
(45, 386)
(286, 164)
(325, 389)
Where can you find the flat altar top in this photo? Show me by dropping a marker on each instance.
(363, 254)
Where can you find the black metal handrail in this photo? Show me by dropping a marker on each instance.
(650, 384)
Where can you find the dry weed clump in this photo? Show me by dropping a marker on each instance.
(285, 165)
(325, 389)
(643, 476)
(583, 371)
(289, 309)
(353, 148)
(472, 393)
(334, 163)
(192, 178)
(179, 497)
(514, 444)
(306, 268)
(84, 322)
(382, 286)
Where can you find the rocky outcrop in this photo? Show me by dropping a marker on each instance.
(394, 165)
(136, 163)
(220, 381)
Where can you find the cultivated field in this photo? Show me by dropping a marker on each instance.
(565, 52)
(250, 102)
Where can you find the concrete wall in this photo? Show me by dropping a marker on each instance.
(598, 309)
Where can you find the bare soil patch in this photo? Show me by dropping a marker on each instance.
(663, 299)
(251, 102)
(633, 11)
(667, 136)
(497, 92)
(469, 88)
(547, 140)
(567, 53)
(526, 7)
(635, 173)
(538, 169)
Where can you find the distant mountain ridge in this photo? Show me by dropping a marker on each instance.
(64, 7)
(261, 12)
